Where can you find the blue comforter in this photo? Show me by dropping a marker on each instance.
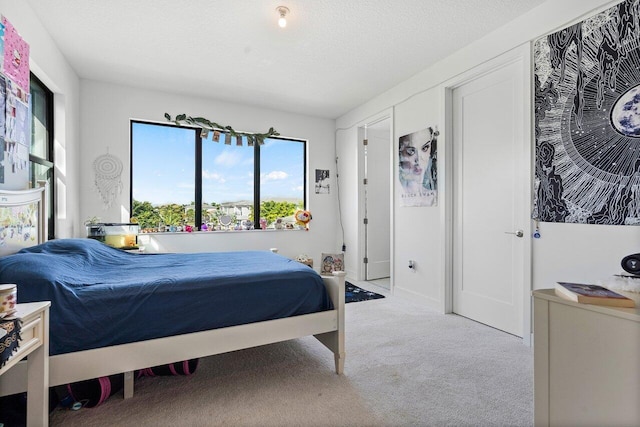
(103, 296)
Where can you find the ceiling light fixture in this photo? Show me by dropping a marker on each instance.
(282, 10)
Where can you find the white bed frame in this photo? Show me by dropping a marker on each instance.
(326, 326)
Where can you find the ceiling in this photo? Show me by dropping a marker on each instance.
(333, 56)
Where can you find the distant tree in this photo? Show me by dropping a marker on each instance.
(149, 216)
(190, 216)
(272, 210)
(146, 214)
(172, 214)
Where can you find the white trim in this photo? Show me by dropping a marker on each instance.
(446, 202)
(418, 298)
(387, 114)
(521, 53)
(529, 159)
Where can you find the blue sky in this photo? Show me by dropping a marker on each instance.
(163, 167)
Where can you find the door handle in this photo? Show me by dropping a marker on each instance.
(518, 233)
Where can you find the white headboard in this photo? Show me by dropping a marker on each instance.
(23, 219)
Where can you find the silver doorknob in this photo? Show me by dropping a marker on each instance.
(518, 233)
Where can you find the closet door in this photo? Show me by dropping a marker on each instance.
(489, 211)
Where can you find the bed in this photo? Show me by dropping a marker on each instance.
(116, 312)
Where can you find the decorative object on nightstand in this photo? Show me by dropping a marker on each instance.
(9, 345)
(304, 259)
(623, 282)
(631, 264)
(8, 299)
(592, 294)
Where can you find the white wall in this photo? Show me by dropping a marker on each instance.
(51, 67)
(565, 251)
(106, 113)
(418, 233)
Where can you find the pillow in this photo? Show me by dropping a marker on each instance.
(331, 263)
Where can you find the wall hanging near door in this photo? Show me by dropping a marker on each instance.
(587, 120)
(418, 168)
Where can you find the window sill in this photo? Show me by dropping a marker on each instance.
(182, 233)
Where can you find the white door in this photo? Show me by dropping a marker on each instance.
(378, 200)
(489, 176)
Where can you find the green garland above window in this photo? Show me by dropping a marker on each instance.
(217, 129)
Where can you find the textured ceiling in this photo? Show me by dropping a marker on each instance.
(333, 55)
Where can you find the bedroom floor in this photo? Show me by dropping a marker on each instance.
(405, 365)
(384, 283)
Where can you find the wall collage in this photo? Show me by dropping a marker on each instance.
(18, 225)
(15, 118)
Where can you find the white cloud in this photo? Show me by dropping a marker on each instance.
(274, 176)
(213, 176)
(228, 158)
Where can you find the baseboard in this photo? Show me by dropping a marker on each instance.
(416, 297)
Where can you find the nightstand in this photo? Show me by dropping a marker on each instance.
(585, 362)
(35, 344)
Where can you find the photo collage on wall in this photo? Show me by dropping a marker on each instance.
(587, 120)
(418, 168)
(15, 117)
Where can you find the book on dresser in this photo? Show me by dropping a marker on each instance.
(592, 294)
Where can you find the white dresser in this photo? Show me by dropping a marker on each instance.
(35, 344)
(586, 362)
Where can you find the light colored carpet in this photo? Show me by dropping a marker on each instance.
(383, 283)
(405, 366)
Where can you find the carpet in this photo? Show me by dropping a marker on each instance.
(355, 294)
(444, 370)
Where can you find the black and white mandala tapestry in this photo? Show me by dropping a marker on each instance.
(587, 120)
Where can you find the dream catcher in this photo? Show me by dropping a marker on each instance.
(108, 169)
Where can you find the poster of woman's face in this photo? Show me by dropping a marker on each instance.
(322, 181)
(417, 168)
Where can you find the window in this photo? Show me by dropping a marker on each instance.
(41, 150)
(180, 180)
